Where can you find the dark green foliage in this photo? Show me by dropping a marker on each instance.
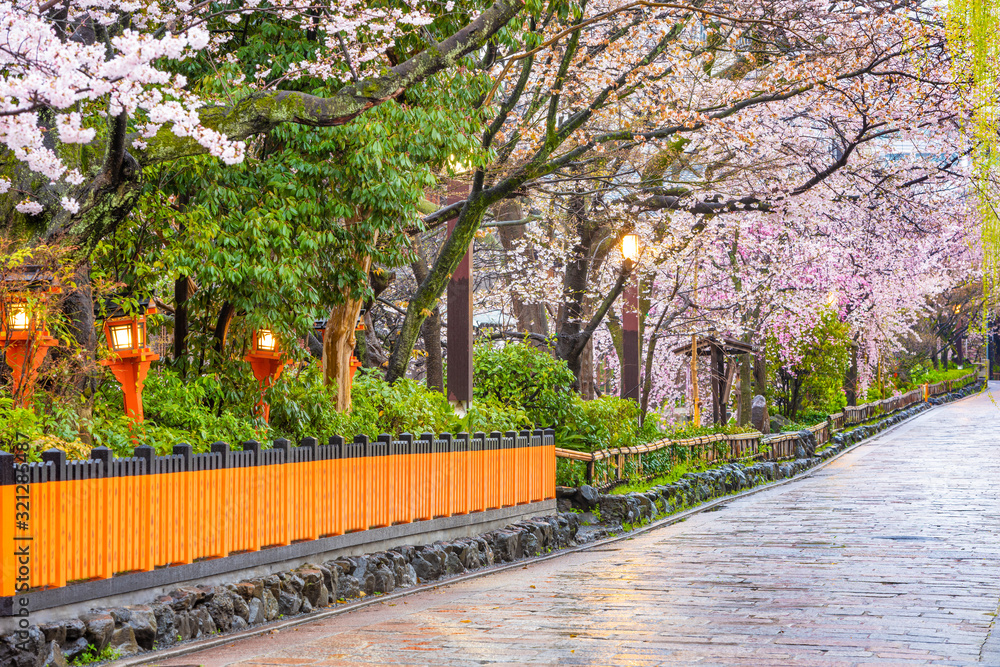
(523, 376)
(280, 238)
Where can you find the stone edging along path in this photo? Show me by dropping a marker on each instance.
(207, 616)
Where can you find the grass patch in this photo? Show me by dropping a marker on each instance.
(662, 480)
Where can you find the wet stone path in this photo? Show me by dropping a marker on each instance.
(890, 556)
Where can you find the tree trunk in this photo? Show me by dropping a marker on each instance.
(431, 332)
(944, 356)
(851, 381)
(338, 346)
(760, 373)
(374, 354)
(716, 386)
(181, 294)
(587, 371)
(425, 299)
(796, 397)
(530, 316)
(746, 392)
(587, 362)
(430, 329)
(647, 380)
(222, 323)
(78, 306)
(934, 356)
(960, 350)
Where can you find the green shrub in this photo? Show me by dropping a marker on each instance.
(816, 382)
(15, 423)
(489, 414)
(91, 655)
(193, 410)
(521, 376)
(302, 406)
(605, 422)
(570, 472)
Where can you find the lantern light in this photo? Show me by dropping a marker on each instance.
(266, 341)
(266, 360)
(630, 247)
(127, 333)
(18, 318)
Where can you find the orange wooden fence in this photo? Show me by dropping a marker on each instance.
(98, 518)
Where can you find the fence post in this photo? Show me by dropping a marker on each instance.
(225, 515)
(6, 469)
(7, 477)
(57, 458)
(283, 527)
(147, 454)
(311, 444)
(105, 456)
(403, 481)
(253, 446)
(225, 455)
(257, 519)
(285, 446)
(359, 482)
(185, 451)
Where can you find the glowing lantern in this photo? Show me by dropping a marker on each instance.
(131, 355)
(23, 335)
(630, 247)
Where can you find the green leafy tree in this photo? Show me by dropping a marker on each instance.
(816, 380)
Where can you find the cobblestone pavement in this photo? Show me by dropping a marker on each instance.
(888, 556)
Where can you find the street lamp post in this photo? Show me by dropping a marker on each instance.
(630, 321)
(132, 356)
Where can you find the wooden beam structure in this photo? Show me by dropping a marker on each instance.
(723, 354)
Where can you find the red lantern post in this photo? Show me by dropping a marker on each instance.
(23, 335)
(26, 342)
(132, 356)
(266, 361)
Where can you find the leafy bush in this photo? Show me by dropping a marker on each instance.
(15, 423)
(605, 422)
(91, 655)
(176, 410)
(570, 473)
(521, 376)
(489, 414)
(921, 374)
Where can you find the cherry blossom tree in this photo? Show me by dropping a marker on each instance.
(674, 114)
(94, 92)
